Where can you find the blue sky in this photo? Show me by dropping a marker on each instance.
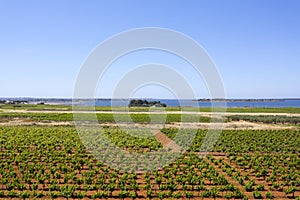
(255, 44)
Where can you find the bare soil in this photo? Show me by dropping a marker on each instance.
(166, 142)
(240, 125)
(194, 125)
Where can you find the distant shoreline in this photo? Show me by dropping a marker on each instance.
(246, 100)
(109, 99)
(233, 103)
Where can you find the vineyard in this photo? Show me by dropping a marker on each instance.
(49, 107)
(106, 117)
(51, 162)
(267, 119)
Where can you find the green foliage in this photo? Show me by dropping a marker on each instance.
(145, 103)
(269, 119)
(132, 139)
(2, 194)
(59, 166)
(290, 190)
(269, 195)
(257, 195)
(107, 117)
(241, 141)
(228, 195)
(47, 107)
(25, 195)
(189, 195)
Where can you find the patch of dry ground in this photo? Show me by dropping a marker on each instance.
(194, 125)
(166, 142)
(239, 125)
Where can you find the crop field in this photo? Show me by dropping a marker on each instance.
(46, 107)
(51, 161)
(106, 117)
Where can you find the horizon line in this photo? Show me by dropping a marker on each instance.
(203, 98)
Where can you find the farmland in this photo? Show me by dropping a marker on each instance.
(49, 162)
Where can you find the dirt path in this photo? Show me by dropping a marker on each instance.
(166, 142)
(237, 125)
(240, 125)
(19, 122)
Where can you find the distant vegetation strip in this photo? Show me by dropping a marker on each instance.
(145, 103)
(266, 119)
(145, 118)
(107, 117)
(142, 109)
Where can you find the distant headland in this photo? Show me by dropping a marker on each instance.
(246, 100)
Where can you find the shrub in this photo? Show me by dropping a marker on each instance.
(228, 195)
(12, 194)
(269, 195)
(260, 188)
(257, 195)
(80, 195)
(25, 195)
(189, 195)
(177, 195)
(238, 194)
(249, 186)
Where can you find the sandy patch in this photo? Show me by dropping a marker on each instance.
(240, 125)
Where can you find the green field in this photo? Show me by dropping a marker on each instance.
(137, 109)
(105, 117)
(49, 162)
(143, 118)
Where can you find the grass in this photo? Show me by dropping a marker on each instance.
(265, 110)
(35, 107)
(145, 109)
(107, 117)
(266, 119)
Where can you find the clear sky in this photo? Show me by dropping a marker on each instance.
(254, 43)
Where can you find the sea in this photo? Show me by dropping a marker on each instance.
(195, 103)
(230, 103)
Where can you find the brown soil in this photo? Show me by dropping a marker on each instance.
(166, 142)
(239, 125)
(231, 180)
(228, 125)
(258, 181)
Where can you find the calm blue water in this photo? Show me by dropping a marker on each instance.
(295, 103)
(192, 103)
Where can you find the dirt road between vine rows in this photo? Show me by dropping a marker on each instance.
(237, 125)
